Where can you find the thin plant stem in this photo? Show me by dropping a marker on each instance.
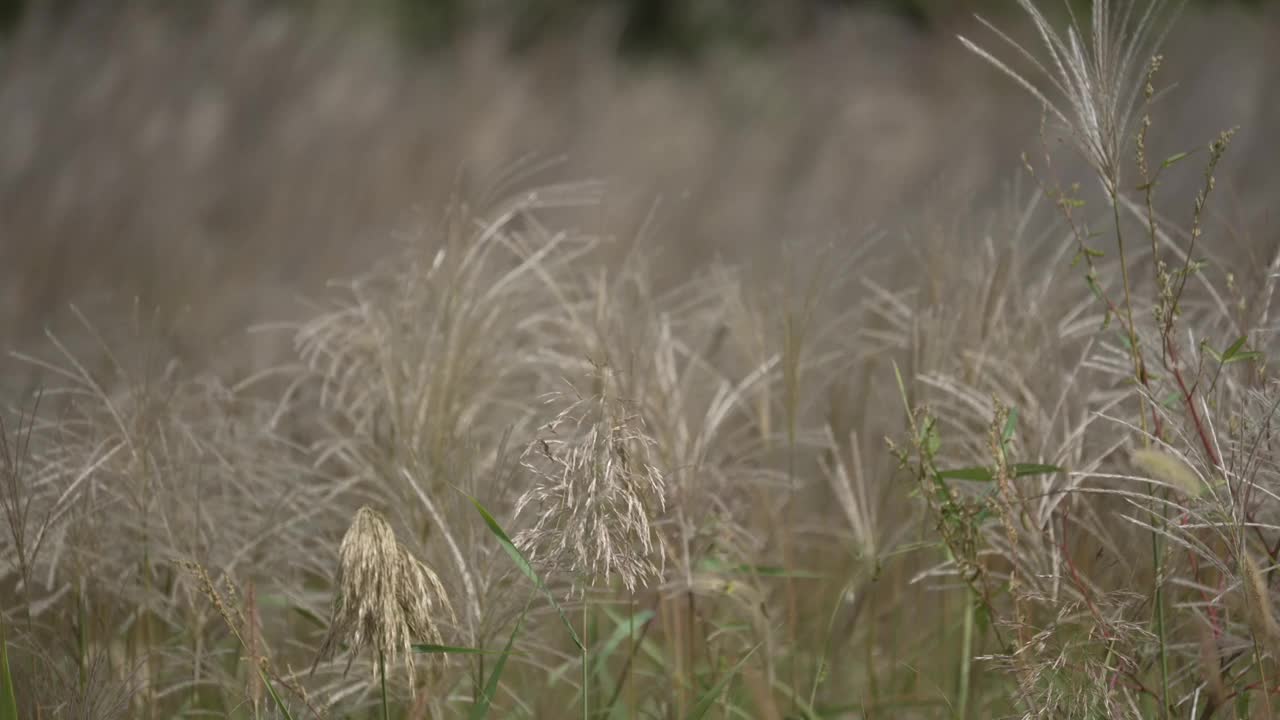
(382, 672)
(1135, 352)
(966, 654)
(631, 634)
(626, 666)
(586, 640)
(1157, 566)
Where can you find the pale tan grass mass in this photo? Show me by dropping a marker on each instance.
(595, 492)
(386, 598)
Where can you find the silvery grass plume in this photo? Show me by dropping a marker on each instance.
(386, 598)
(1100, 79)
(594, 491)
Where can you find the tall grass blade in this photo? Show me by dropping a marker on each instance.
(708, 699)
(480, 710)
(271, 690)
(523, 564)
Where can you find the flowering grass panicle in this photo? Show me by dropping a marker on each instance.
(1098, 74)
(386, 598)
(595, 492)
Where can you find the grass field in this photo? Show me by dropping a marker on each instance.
(885, 375)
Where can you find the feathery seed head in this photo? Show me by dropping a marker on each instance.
(1097, 75)
(595, 491)
(386, 598)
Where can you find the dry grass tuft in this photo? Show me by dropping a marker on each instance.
(595, 491)
(386, 598)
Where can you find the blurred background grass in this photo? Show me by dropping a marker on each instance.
(214, 162)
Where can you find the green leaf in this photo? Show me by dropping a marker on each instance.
(430, 649)
(1027, 469)
(1234, 348)
(8, 698)
(975, 474)
(1173, 159)
(708, 699)
(716, 565)
(1010, 425)
(523, 564)
(1206, 347)
(1092, 282)
(1244, 357)
(480, 710)
(1242, 705)
(620, 633)
(271, 690)
(929, 438)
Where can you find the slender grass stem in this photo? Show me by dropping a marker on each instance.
(1158, 567)
(966, 655)
(382, 674)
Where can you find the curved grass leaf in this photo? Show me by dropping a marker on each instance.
(621, 632)
(8, 699)
(708, 699)
(275, 696)
(480, 710)
(523, 564)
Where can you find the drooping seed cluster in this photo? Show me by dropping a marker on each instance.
(387, 599)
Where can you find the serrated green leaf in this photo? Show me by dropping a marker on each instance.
(708, 699)
(523, 564)
(975, 474)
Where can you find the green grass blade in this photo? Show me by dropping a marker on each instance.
(523, 564)
(480, 710)
(621, 632)
(708, 699)
(8, 696)
(275, 696)
(974, 474)
(1027, 469)
(430, 649)
(8, 699)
